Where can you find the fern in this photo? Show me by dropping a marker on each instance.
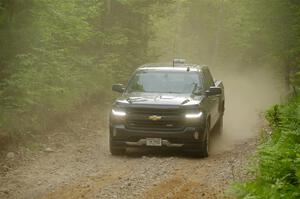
(277, 174)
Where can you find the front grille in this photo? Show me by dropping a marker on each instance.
(170, 119)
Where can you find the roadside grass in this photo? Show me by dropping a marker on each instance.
(276, 169)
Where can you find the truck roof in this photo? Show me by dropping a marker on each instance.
(170, 67)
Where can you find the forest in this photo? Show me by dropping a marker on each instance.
(56, 56)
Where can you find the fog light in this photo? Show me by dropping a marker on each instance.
(196, 135)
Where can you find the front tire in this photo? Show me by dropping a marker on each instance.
(203, 150)
(205, 145)
(116, 151)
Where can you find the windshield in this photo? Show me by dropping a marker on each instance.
(165, 82)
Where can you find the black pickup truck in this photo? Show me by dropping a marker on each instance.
(167, 105)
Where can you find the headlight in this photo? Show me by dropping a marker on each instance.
(118, 113)
(193, 115)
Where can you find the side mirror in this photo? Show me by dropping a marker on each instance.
(118, 88)
(213, 91)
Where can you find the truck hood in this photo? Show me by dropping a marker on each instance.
(159, 99)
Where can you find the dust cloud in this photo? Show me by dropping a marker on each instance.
(248, 93)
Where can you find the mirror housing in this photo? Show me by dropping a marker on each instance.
(214, 91)
(120, 88)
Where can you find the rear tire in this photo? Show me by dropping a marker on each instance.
(218, 130)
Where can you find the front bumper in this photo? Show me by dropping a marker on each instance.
(189, 137)
(142, 142)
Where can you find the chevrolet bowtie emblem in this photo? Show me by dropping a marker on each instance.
(154, 117)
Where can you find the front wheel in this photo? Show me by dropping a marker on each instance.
(116, 150)
(203, 150)
(205, 145)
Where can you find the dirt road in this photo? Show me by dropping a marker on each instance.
(74, 161)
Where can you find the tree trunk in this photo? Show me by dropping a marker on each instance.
(217, 34)
(11, 10)
(108, 7)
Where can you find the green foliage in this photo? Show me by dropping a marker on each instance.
(55, 54)
(235, 32)
(261, 31)
(277, 174)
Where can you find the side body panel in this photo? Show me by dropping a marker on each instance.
(215, 103)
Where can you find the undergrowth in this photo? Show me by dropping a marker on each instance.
(277, 171)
